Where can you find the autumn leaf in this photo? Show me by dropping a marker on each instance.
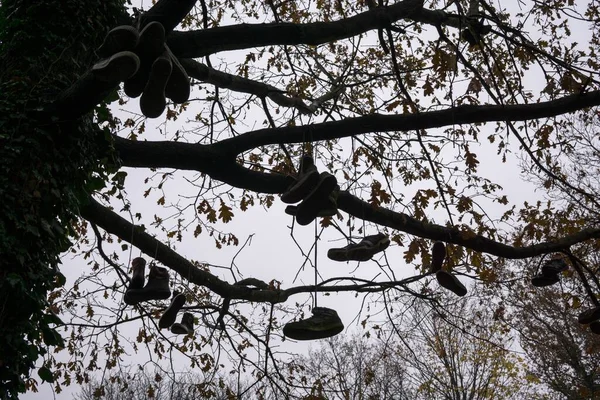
(225, 213)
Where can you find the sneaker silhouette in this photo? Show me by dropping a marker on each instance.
(153, 101)
(150, 45)
(157, 287)
(589, 316)
(308, 177)
(170, 314)
(121, 38)
(178, 86)
(450, 282)
(362, 251)
(317, 199)
(595, 327)
(550, 273)
(185, 327)
(438, 255)
(324, 323)
(117, 68)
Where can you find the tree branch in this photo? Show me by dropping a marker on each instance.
(466, 114)
(168, 12)
(236, 83)
(116, 225)
(193, 44)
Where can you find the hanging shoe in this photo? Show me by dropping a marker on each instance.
(138, 268)
(153, 100)
(324, 323)
(178, 86)
(362, 251)
(554, 267)
(121, 38)
(117, 67)
(327, 209)
(543, 280)
(157, 287)
(438, 255)
(170, 314)
(314, 202)
(550, 273)
(308, 177)
(589, 316)
(150, 46)
(186, 326)
(595, 327)
(450, 282)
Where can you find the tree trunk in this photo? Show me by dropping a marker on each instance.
(46, 166)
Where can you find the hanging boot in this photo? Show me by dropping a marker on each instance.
(589, 316)
(150, 46)
(362, 251)
(307, 180)
(170, 314)
(153, 100)
(121, 38)
(186, 326)
(117, 67)
(450, 282)
(314, 202)
(157, 287)
(324, 323)
(138, 267)
(438, 255)
(178, 86)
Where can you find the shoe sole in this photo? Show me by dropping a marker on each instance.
(180, 329)
(170, 315)
(178, 86)
(134, 296)
(438, 255)
(544, 280)
(301, 188)
(450, 282)
(119, 39)
(589, 316)
(152, 41)
(309, 209)
(117, 68)
(153, 100)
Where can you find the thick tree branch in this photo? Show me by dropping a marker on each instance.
(405, 223)
(236, 83)
(466, 114)
(168, 12)
(174, 155)
(200, 43)
(202, 158)
(116, 225)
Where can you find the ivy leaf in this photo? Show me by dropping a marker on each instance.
(46, 374)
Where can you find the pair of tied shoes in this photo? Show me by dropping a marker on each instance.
(445, 279)
(158, 73)
(186, 326)
(551, 271)
(316, 192)
(157, 287)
